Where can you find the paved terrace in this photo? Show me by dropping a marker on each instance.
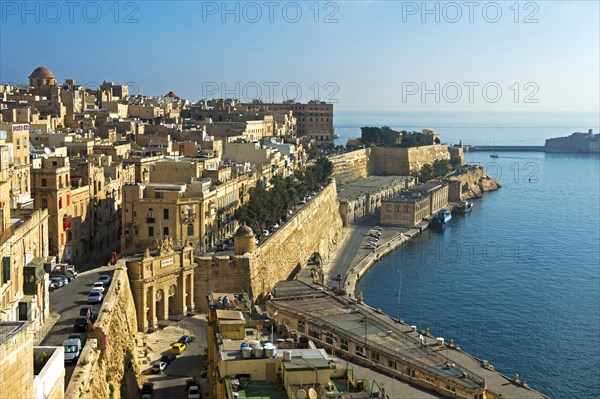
(324, 310)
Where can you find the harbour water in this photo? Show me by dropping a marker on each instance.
(517, 280)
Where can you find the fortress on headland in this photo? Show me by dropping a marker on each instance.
(587, 143)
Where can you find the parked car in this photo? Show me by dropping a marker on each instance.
(275, 226)
(60, 278)
(95, 297)
(377, 228)
(98, 286)
(72, 350)
(81, 323)
(265, 233)
(56, 283)
(105, 279)
(61, 275)
(204, 372)
(222, 247)
(194, 392)
(178, 348)
(190, 382)
(186, 339)
(158, 367)
(168, 358)
(147, 390)
(89, 312)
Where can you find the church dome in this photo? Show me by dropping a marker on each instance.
(42, 73)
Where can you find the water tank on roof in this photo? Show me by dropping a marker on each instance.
(287, 356)
(247, 352)
(257, 350)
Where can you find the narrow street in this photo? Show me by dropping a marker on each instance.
(65, 303)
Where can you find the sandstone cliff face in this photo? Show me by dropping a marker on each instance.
(113, 374)
(470, 184)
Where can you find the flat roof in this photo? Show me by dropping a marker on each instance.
(385, 335)
(370, 184)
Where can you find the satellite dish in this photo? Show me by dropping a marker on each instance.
(47, 151)
(312, 394)
(301, 394)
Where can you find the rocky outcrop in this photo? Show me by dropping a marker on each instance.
(107, 368)
(469, 183)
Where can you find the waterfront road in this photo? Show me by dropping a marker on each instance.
(65, 303)
(352, 250)
(349, 249)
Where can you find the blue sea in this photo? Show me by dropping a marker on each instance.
(517, 281)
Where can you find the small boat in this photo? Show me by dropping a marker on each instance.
(336, 136)
(463, 207)
(494, 155)
(441, 219)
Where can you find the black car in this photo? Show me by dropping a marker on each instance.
(186, 339)
(168, 358)
(81, 323)
(147, 390)
(89, 312)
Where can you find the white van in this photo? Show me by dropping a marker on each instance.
(72, 350)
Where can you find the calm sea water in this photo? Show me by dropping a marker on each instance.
(517, 281)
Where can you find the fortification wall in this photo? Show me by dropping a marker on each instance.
(389, 161)
(112, 372)
(316, 228)
(351, 165)
(470, 184)
(230, 274)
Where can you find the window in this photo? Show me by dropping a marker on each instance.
(44, 203)
(375, 356)
(165, 231)
(68, 199)
(151, 231)
(18, 143)
(59, 202)
(344, 344)
(44, 182)
(166, 214)
(150, 213)
(392, 364)
(190, 229)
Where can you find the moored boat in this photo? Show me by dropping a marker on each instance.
(463, 207)
(441, 219)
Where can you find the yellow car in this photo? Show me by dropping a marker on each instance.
(177, 348)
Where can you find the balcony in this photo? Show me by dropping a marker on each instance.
(188, 217)
(150, 220)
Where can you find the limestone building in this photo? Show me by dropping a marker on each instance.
(162, 283)
(313, 119)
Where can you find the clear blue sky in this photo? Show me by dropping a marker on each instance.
(366, 55)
